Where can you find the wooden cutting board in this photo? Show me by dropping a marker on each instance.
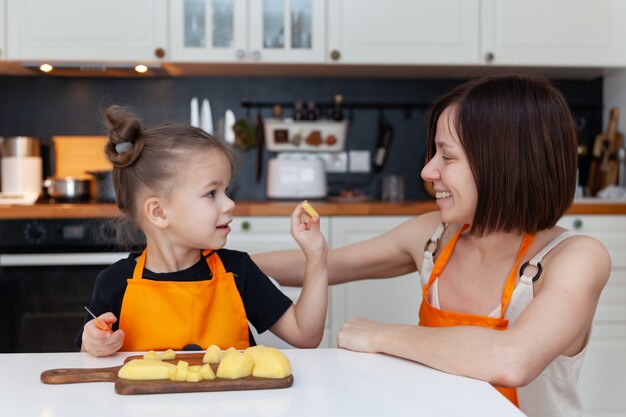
(161, 386)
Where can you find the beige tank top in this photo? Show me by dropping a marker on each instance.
(553, 393)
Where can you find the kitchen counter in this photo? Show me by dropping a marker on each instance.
(283, 208)
(327, 382)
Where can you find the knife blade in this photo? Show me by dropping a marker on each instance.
(195, 113)
(229, 122)
(206, 118)
(99, 324)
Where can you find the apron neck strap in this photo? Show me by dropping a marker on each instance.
(215, 264)
(509, 287)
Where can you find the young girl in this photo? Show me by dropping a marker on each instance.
(184, 290)
(508, 297)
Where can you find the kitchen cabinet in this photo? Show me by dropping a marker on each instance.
(403, 32)
(387, 300)
(256, 234)
(3, 49)
(87, 30)
(267, 31)
(603, 377)
(577, 33)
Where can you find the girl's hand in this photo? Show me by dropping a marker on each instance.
(358, 335)
(100, 342)
(306, 231)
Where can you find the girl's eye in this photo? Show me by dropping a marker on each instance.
(210, 194)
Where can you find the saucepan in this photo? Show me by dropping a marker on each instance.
(68, 188)
(104, 186)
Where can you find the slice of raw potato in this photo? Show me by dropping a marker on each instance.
(206, 372)
(254, 351)
(235, 365)
(152, 355)
(213, 354)
(271, 363)
(168, 355)
(144, 369)
(309, 209)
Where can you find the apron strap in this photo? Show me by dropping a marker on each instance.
(509, 287)
(215, 263)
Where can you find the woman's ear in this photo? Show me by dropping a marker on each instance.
(155, 212)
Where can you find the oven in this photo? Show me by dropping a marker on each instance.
(48, 269)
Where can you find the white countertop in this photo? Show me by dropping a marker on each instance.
(327, 382)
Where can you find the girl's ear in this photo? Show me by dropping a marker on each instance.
(155, 212)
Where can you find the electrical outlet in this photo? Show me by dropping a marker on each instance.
(360, 161)
(335, 162)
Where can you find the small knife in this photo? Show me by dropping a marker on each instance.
(99, 324)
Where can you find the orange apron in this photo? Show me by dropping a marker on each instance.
(158, 315)
(433, 317)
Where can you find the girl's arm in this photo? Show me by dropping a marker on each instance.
(557, 322)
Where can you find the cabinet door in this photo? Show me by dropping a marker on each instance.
(79, 30)
(403, 32)
(3, 49)
(395, 300)
(603, 376)
(263, 234)
(209, 30)
(287, 31)
(577, 33)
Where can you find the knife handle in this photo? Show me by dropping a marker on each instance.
(76, 375)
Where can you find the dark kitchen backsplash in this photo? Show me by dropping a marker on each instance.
(48, 106)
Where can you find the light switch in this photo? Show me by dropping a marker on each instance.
(360, 161)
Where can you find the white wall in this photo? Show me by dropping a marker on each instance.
(615, 96)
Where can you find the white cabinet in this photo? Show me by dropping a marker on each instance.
(261, 234)
(394, 300)
(3, 49)
(403, 32)
(268, 31)
(87, 30)
(579, 33)
(603, 377)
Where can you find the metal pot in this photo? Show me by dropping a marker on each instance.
(104, 186)
(68, 188)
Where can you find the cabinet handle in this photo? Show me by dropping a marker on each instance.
(159, 52)
(240, 53)
(335, 55)
(245, 225)
(256, 54)
(577, 224)
(489, 57)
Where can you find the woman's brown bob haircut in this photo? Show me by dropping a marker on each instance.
(520, 141)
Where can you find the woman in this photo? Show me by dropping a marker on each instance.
(508, 296)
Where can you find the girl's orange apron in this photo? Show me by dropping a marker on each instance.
(433, 317)
(158, 315)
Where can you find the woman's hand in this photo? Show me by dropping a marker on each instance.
(306, 231)
(101, 342)
(359, 335)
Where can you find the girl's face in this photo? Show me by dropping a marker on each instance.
(451, 175)
(198, 209)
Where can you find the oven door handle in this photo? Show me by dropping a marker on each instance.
(61, 259)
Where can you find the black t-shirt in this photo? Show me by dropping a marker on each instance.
(263, 302)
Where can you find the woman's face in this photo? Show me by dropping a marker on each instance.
(199, 210)
(450, 173)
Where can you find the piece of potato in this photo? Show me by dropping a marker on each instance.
(168, 355)
(235, 365)
(193, 376)
(144, 369)
(271, 363)
(206, 372)
(213, 354)
(309, 209)
(152, 355)
(181, 370)
(254, 351)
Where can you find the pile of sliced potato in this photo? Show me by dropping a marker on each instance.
(259, 361)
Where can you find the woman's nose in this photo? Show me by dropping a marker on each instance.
(429, 172)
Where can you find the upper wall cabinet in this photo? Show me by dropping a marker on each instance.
(579, 33)
(3, 50)
(276, 31)
(94, 30)
(403, 32)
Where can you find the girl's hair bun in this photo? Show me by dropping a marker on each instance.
(125, 138)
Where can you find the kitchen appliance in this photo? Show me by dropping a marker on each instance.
(21, 168)
(48, 269)
(296, 176)
(105, 192)
(68, 188)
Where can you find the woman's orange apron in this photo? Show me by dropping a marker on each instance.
(159, 315)
(433, 317)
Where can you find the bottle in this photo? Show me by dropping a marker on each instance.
(311, 114)
(337, 113)
(297, 111)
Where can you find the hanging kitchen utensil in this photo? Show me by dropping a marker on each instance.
(383, 143)
(195, 113)
(260, 145)
(604, 165)
(229, 123)
(206, 118)
(244, 132)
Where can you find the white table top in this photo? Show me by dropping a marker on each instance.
(327, 382)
